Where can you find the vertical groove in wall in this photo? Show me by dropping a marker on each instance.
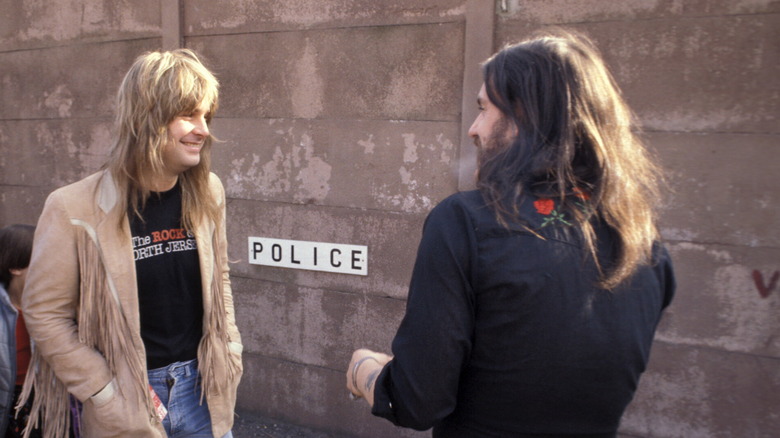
(480, 23)
(171, 12)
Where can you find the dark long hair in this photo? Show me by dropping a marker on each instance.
(575, 133)
(15, 249)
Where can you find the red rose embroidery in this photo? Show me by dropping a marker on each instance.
(544, 206)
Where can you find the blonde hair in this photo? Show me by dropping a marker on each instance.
(576, 136)
(158, 87)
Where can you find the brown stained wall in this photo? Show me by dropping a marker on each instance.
(702, 77)
(342, 121)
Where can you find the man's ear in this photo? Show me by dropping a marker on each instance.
(16, 272)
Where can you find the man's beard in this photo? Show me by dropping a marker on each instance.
(495, 144)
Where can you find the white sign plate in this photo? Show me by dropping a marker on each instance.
(312, 256)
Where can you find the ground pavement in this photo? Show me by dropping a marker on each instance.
(249, 425)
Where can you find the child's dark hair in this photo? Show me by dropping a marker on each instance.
(15, 249)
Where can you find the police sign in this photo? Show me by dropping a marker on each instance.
(312, 256)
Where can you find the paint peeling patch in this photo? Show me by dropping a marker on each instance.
(747, 322)
(314, 180)
(409, 202)
(368, 145)
(422, 177)
(679, 234)
(308, 88)
(298, 172)
(269, 179)
(721, 256)
(764, 202)
(61, 99)
(446, 148)
(688, 246)
(410, 148)
(406, 177)
(315, 176)
(422, 12)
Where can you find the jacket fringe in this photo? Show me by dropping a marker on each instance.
(215, 341)
(101, 325)
(51, 400)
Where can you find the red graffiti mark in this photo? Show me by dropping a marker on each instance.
(765, 290)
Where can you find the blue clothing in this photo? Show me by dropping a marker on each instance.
(178, 387)
(8, 316)
(506, 333)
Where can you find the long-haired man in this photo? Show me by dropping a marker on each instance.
(128, 295)
(535, 298)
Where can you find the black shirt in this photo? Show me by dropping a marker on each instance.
(507, 335)
(169, 284)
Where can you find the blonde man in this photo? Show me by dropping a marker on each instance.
(128, 295)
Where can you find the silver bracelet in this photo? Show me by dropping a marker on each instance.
(355, 370)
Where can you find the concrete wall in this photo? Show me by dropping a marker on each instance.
(703, 76)
(343, 121)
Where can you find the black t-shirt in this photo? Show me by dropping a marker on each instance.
(168, 276)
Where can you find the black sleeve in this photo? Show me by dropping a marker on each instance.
(419, 386)
(667, 275)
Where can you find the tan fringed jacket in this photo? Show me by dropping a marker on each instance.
(81, 307)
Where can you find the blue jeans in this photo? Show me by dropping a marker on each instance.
(178, 386)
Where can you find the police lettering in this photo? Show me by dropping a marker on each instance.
(307, 256)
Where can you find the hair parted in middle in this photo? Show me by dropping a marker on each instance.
(575, 132)
(158, 87)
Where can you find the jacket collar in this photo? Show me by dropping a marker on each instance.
(107, 192)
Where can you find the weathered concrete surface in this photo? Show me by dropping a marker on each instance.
(700, 392)
(567, 12)
(21, 204)
(52, 152)
(719, 304)
(702, 76)
(66, 82)
(35, 24)
(56, 112)
(206, 17)
(295, 349)
(391, 239)
(395, 72)
(403, 166)
(341, 122)
(689, 73)
(295, 393)
(724, 187)
(313, 326)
